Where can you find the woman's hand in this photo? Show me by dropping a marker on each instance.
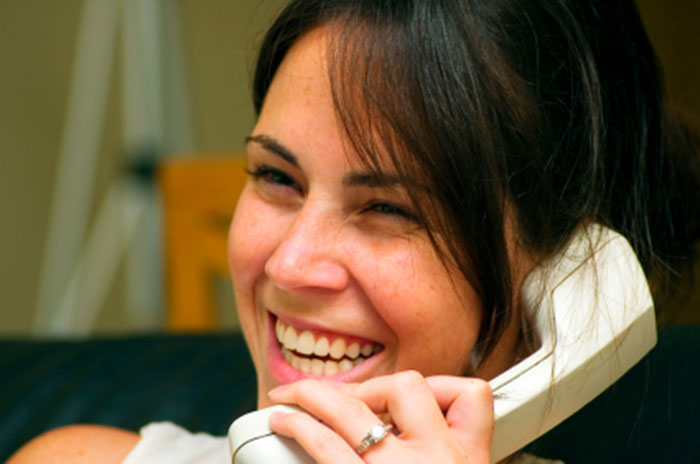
(415, 405)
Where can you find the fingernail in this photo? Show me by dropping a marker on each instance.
(333, 383)
(276, 391)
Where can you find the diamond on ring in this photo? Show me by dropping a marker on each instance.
(376, 434)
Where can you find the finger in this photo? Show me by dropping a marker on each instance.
(416, 405)
(347, 416)
(320, 442)
(463, 398)
(407, 398)
(468, 406)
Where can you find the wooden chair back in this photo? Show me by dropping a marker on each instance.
(199, 196)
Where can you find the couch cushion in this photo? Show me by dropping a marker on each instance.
(202, 382)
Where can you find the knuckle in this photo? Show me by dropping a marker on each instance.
(315, 436)
(306, 389)
(481, 389)
(323, 444)
(353, 408)
(306, 384)
(410, 379)
(296, 420)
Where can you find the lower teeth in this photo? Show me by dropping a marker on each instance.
(320, 367)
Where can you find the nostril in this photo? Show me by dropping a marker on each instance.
(283, 270)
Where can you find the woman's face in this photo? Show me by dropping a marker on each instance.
(332, 274)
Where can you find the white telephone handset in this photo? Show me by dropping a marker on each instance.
(594, 317)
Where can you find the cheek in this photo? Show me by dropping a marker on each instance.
(253, 237)
(251, 241)
(244, 246)
(435, 320)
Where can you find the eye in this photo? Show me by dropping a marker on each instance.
(392, 210)
(273, 176)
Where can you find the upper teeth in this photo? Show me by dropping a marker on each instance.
(307, 344)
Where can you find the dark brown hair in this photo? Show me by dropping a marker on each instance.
(553, 107)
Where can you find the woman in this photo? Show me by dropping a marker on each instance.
(411, 163)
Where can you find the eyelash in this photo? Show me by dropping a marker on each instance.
(393, 210)
(280, 178)
(273, 176)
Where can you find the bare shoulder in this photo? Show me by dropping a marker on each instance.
(79, 444)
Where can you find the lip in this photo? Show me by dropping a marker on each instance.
(282, 373)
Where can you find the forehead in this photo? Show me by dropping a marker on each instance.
(304, 66)
(298, 108)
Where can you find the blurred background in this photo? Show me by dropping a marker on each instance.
(103, 105)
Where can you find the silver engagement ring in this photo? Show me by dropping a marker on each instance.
(376, 434)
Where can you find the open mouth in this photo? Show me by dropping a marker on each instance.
(321, 354)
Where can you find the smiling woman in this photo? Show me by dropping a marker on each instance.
(333, 251)
(412, 162)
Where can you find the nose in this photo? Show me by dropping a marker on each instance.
(309, 256)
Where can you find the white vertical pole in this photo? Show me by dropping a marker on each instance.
(76, 312)
(144, 142)
(78, 155)
(74, 281)
(176, 113)
(156, 122)
(143, 95)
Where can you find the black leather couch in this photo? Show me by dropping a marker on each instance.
(204, 381)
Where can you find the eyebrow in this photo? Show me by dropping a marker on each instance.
(351, 179)
(273, 146)
(372, 180)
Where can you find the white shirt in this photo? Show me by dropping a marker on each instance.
(167, 443)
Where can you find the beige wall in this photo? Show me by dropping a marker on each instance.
(37, 46)
(37, 43)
